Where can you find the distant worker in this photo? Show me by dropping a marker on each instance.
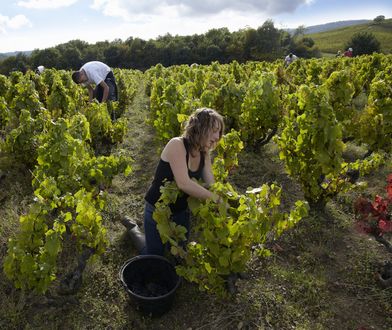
(102, 76)
(289, 59)
(40, 69)
(348, 52)
(338, 54)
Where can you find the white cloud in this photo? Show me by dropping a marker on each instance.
(110, 8)
(131, 9)
(270, 7)
(46, 4)
(14, 23)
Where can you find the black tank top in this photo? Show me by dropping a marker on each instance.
(164, 171)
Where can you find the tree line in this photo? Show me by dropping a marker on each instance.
(266, 43)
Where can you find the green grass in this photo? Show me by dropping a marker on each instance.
(332, 41)
(320, 275)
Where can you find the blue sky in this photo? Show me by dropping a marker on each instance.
(32, 24)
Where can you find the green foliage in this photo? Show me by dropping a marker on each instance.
(39, 86)
(59, 103)
(310, 143)
(22, 142)
(4, 85)
(126, 84)
(226, 159)
(376, 121)
(261, 109)
(67, 182)
(4, 113)
(102, 128)
(229, 232)
(318, 117)
(30, 261)
(312, 148)
(68, 178)
(23, 96)
(341, 91)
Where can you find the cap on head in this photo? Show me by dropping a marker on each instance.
(350, 49)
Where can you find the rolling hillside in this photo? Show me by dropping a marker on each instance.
(334, 40)
(330, 26)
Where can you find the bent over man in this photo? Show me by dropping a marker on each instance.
(102, 76)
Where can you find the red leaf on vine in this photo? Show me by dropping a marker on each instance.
(380, 204)
(374, 217)
(385, 225)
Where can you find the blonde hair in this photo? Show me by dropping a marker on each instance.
(200, 124)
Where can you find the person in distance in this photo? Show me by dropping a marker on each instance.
(348, 52)
(290, 59)
(102, 76)
(183, 158)
(39, 69)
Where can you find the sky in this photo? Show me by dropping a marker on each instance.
(38, 24)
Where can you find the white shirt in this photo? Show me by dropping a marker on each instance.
(96, 72)
(40, 69)
(289, 59)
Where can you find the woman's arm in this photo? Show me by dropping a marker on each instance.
(175, 153)
(207, 175)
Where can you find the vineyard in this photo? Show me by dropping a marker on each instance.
(302, 145)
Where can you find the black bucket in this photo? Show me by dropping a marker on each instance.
(151, 281)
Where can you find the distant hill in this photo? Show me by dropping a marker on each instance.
(5, 55)
(330, 26)
(333, 40)
(334, 26)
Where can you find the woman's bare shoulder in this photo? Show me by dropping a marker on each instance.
(175, 142)
(177, 139)
(174, 146)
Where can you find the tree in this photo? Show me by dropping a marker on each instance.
(70, 58)
(93, 53)
(307, 41)
(379, 19)
(301, 45)
(14, 63)
(115, 55)
(250, 43)
(299, 31)
(70, 54)
(364, 43)
(269, 39)
(235, 50)
(49, 57)
(213, 53)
